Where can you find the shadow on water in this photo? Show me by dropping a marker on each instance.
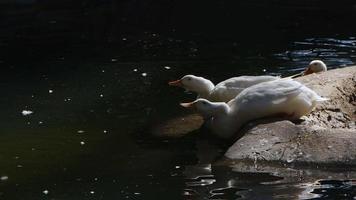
(96, 90)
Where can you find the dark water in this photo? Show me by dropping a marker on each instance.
(95, 96)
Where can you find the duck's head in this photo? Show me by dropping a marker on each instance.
(207, 108)
(315, 66)
(194, 84)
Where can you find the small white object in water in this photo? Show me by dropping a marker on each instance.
(264, 70)
(105, 131)
(177, 167)
(50, 91)
(101, 95)
(82, 143)
(4, 178)
(113, 60)
(40, 122)
(80, 131)
(92, 192)
(167, 67)
(45, 192)
(124, 39)
(26, 112)
(290, 160)
(144, 74)
(135, 70)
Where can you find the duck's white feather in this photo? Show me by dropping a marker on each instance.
(286, 96)
(230, 88)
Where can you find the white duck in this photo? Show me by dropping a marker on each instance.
(286, 98)
(315, 66)
(223, 91)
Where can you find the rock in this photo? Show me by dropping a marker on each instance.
(325, 137)
(179, 126)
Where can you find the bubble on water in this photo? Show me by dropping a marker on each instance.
(144, 74)
(50, 91)
(101, 95)
(4, 178)
(19, 166)
(264, 70)
(40, 122)
(45, 192)
(137, 193)
(124, 39)
(135, 70)
(82, 143)
(105, 131)
(103, 71)
(167, 67)
(92, 192)
(113, 60)
(80, 131)
(26, 112)
(177, 167)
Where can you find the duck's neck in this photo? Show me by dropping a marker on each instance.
(229, 124)
(205, 89)
(221, 109)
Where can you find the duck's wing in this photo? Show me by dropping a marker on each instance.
(225, 94)
(245, 81)
(275, 92)
(230, 88)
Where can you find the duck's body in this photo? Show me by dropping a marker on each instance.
(286, 98)
(223, 91)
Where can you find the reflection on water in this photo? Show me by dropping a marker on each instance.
(334, 52)
(76, 129)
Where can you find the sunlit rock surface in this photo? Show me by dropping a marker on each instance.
(326, 136)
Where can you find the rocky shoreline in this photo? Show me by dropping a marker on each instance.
(325, 137)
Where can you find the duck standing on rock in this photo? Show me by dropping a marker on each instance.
(284, 98)
(223, 91)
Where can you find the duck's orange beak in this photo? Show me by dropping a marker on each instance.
(188, 105)
(308, 71)
(177, 83)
